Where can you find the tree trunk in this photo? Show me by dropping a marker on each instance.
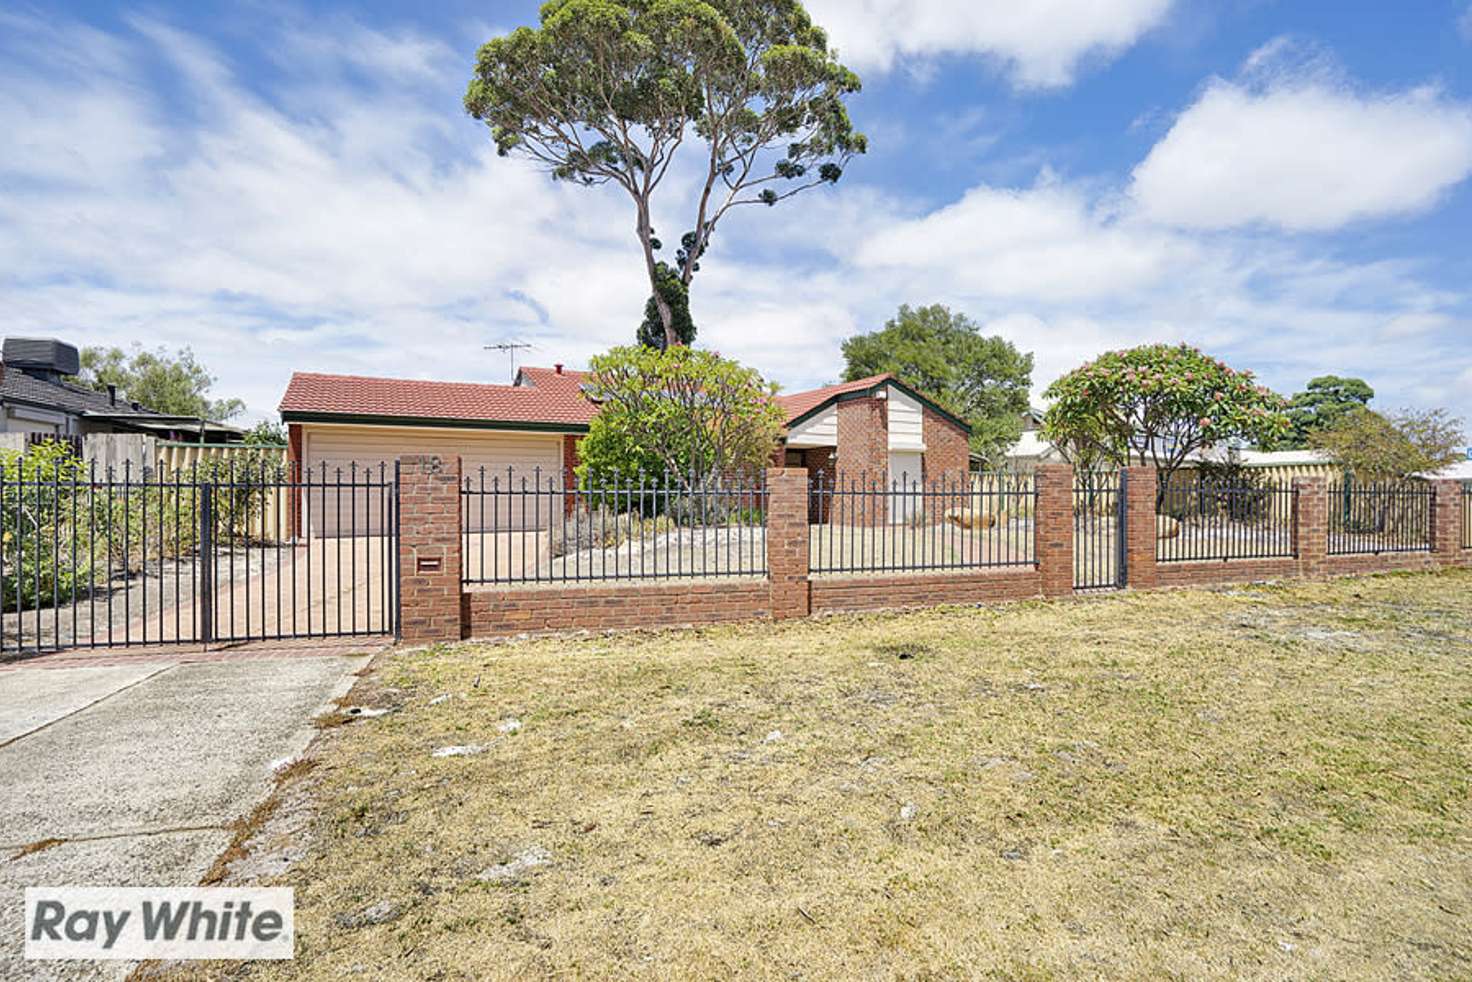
(646, 239)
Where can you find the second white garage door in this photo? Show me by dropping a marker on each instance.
(510, 462)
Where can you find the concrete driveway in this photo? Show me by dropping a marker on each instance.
(141, 765)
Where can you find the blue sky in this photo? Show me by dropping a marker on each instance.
(287, 186)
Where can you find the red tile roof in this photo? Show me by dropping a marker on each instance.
(545, 397)
(549, 399)
(797, 403)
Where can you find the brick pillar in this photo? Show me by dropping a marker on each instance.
(1311, 530)
(1054, 528)
(1446, 523)
(1141, 528)
(429, 548)
(294, 474)
(787, 541)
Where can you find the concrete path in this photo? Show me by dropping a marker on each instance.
(140, 767)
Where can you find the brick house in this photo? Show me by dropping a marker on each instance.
(873, 429)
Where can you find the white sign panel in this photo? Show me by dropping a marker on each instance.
(156, 922)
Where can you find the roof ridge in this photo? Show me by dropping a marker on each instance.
(412, 381)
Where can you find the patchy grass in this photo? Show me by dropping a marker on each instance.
(1268, 782)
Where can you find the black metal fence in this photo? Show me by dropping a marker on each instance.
(1099, 530)
(218, 553)
(1380, 517)
(1467, 516)
(1207, 520)
(861, 525)
(527, 528)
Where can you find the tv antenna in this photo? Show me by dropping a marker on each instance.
(510, 348)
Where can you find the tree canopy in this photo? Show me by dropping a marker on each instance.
(176, 384)
(607, 92)
(1375, 447)
(682, 416)
(1158, 403)
(983, 380)
(1322, 404)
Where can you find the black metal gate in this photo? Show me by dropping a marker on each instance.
(219, 553)
(1099, 529)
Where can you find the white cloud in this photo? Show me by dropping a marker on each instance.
(1303, 151)
(1040, 43)
(281, 225)
(1045, 241)
(272, 238)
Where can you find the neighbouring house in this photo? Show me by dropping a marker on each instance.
(1031, 449)
(875, 428)
(37, 400)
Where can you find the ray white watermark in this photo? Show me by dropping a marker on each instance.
(155, 922)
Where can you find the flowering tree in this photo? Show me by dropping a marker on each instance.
(1159, 403)
(681, 415)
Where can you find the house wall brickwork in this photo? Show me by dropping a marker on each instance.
(436, 607)
(820, 463)
(863, 458)
(947, 450)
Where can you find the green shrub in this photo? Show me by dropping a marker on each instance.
(43, 510)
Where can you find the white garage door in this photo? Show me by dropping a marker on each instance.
(512, 464)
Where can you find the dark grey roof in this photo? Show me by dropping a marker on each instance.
(63, 396)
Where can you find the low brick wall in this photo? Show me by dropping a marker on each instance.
(830, 596)
(436, 607)
(1384, 563)
(488, 612)
(1213, 571)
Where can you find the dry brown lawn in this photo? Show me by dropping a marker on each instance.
(1270, 782)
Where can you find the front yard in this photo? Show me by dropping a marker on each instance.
(1267, 782)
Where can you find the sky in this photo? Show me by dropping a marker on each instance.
(291, 187)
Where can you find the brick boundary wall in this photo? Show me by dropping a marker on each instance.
(1142, 572)
(832, 595)
(498, 611)
(1311, 525)
(1209, 572)
(1053, 519)
(429, 549)
(787, 542)
(437, 607)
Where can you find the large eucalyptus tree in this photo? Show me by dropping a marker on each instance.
(609, 91)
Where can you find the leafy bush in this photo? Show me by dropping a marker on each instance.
(40, 496)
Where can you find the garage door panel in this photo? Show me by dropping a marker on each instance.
(522, 467)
